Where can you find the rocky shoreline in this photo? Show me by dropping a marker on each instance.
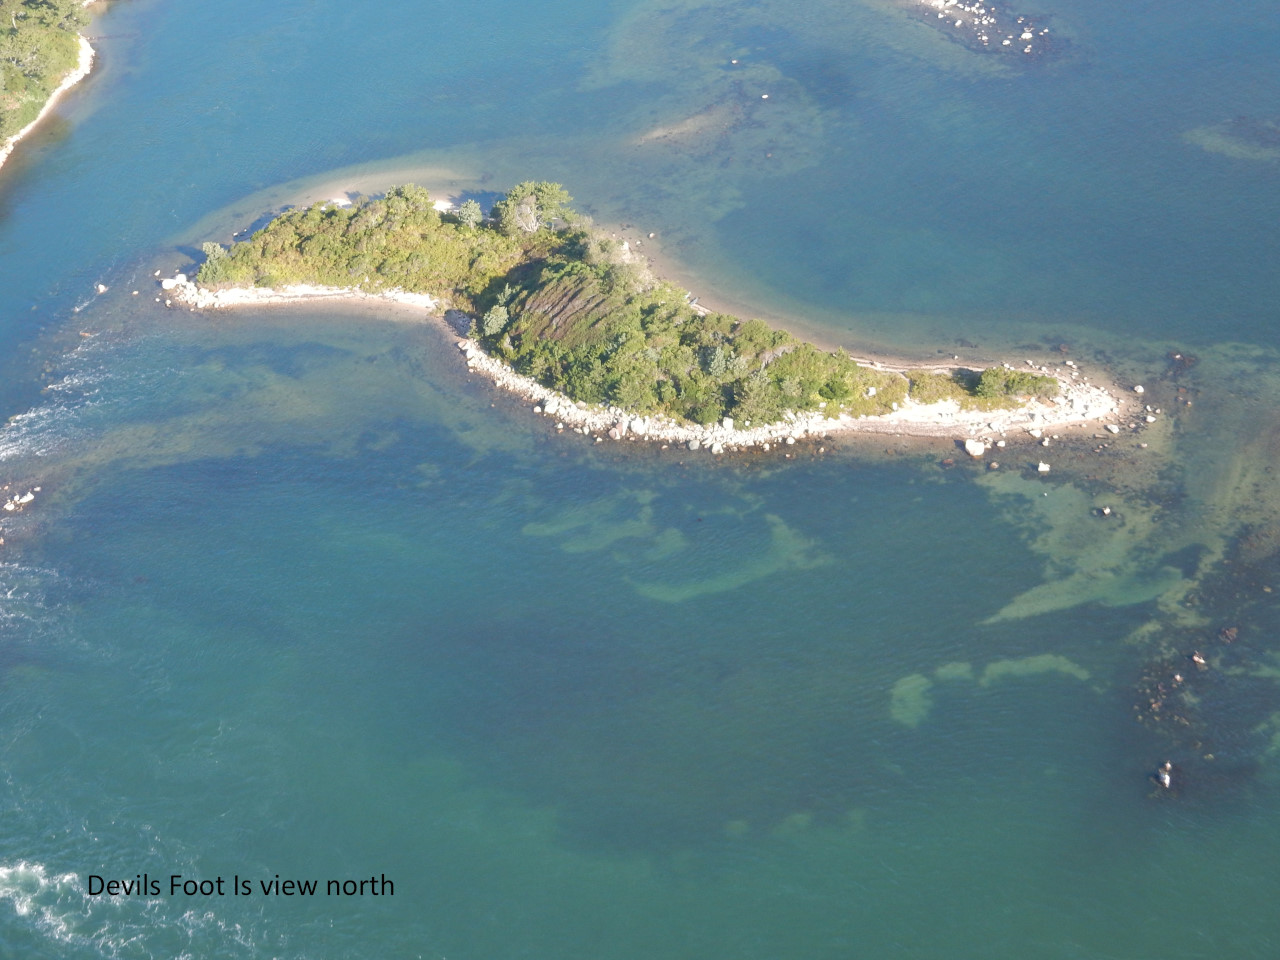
(1079, 401)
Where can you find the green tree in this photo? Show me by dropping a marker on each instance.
(216, 263)
(470, 215)
(494, 320)
(531, 205)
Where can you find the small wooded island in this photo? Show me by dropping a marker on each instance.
(573, 309)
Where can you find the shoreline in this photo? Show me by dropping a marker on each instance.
(82, 69)
(1080, 402)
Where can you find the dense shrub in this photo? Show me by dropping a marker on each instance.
(38, 47)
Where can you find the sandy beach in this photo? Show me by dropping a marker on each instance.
(1079, 403)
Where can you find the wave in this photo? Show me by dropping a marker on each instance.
(54, 912)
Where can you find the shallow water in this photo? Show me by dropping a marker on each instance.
(297, 597)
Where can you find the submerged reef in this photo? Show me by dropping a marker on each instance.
(988, 27)
(1241, 138)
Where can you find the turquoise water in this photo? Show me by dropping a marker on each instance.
(297, 597)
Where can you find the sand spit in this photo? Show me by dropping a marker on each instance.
(1079, 401)
(181, 290)
(70, 80)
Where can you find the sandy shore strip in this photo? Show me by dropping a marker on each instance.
(81, 71)
(1079, 402)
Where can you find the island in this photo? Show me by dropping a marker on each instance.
(568, 316)
(42, 55)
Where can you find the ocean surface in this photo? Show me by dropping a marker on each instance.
(297, 599)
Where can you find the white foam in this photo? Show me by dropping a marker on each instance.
(44, 899)
(57, 908)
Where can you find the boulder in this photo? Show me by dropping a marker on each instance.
(974, 448)
(1042, 467)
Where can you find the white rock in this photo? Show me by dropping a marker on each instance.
(1036, 432)
(1151, 419)
(26, 498)
(1112, 428)
(871, 391)
(180, 277)
(167, 284)
(1139, 389)
(695, 445)
(102, 288)
(717, 448)
(1042, 467)
(974, 448)
(790, 440)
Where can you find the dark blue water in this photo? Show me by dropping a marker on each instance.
(296, 597)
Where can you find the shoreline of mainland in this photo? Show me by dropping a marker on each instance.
(1079, 403)
(82, 69)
